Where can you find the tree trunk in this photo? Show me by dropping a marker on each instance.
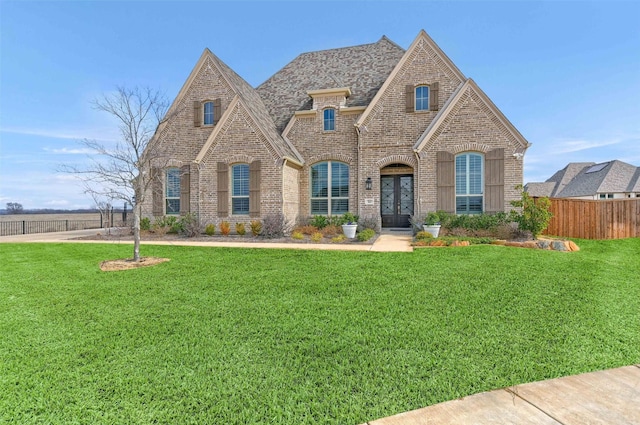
(137, 211)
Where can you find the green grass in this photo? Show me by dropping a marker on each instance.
(240, 336)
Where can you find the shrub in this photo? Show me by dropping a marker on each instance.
(256, 227)
(297, 235)
(368, 223)
(331, 230)
(307, 230)
(316, 237)
(225, 228)
(240, 229)
(210, 230)
(365, 235)
(188, 225)
(339, 238)
(274, 226)
(535, 215)
(319, 221)
(422, 235)
(145, 224)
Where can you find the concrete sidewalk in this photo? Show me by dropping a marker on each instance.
(605, 397)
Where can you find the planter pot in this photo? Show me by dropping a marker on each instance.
(434, 229)
(349, 230)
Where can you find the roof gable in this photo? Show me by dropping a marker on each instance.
(469, 90)
(422, 47)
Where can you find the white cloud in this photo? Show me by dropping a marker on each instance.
(91, 134)
(71, 151)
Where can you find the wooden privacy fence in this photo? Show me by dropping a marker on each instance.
(585, 219)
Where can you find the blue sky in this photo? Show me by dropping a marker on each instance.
(566, 74)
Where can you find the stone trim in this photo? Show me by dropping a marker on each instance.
(470, 147)
(330, 157)
(340, 91)
(238, 159)
(395, 159)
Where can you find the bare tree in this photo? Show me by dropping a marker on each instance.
(14, 208)
(121, 171)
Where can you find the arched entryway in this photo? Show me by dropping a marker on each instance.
(396, 195)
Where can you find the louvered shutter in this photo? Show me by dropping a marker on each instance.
(494, 181)
(157, 200)
(185, 188)
(197, 113)
(433, 96)
(410, 101)
(446, 182)
(254, 189)
(223, 189)
(217, 111)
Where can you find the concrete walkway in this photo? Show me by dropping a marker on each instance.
(398, 242)
(605, 397)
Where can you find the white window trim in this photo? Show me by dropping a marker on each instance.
(482, 165)
(328, 197)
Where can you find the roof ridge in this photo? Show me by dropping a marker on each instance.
(383, 38)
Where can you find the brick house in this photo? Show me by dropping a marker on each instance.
(373, 129)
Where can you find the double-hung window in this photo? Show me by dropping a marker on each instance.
(469, 183)
(240, 189)
(329, 188)
(422, 98)
(329, 123)
(208, 113)
(172, 195)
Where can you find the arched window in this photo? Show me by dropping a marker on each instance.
(422, 98)
(208, 113)
(329, 188)
(329, 119)
(240, 189)
(469, 183)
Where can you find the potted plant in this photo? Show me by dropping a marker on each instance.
(349, 225)
(432, 224)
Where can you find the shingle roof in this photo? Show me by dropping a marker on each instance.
(588, 179)
(540, 189)
(362, 68)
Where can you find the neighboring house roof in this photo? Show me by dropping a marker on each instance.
(363, 69)
(588, 179)
(540, 189)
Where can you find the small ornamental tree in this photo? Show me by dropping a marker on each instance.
(534, 215)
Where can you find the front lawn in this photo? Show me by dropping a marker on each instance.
(234, 336)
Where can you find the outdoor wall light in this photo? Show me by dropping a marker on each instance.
(367, 184)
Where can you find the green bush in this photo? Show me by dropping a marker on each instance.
(423, 235)
(240, 230)
(348, 218)
(535, 215)
(145, 224)
(210, 230)
(365, 235)
(319, 221)
(188, 225)
(297, 235)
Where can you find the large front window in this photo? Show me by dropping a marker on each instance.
(329, 188)
(240, 189)
(469, 172)
(172, 195)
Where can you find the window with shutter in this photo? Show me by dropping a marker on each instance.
(469, 183)
(422, 98)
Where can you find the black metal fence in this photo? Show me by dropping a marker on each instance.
(25, 227)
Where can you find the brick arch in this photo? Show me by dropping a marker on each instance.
(175, 163)
(395, 159)
(329, 157)
(237, 158)
(472, 146)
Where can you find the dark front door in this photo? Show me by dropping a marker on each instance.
(396, 200)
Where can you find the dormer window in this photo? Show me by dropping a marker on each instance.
(422, 98)
(329, 119)
(208, 113)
